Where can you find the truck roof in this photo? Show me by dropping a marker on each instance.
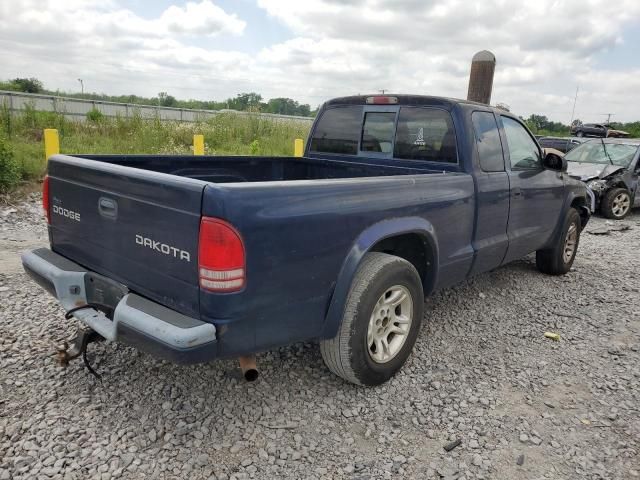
(406, 99)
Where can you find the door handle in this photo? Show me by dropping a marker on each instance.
(516, 192)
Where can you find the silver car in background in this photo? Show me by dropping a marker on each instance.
(610, 168)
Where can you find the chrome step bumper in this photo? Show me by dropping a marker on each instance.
(136, 319)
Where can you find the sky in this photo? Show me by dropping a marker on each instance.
(313, 50)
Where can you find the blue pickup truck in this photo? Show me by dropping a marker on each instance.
(197, 258)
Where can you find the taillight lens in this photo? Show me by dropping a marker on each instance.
(45, 198)
(221, 257)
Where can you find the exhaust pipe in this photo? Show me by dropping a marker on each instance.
(249, 368)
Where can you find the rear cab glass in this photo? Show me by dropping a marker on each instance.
(406, 133)
(338, 131)
(378, 131)
(425, 134)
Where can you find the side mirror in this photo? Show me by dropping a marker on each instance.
(554, 160)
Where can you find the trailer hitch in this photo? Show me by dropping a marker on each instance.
(78, 346)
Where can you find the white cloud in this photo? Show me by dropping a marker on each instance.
(202, 18)
(543, 48)
(117, 51)
(337, 47)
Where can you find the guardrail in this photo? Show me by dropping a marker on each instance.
(77, 109)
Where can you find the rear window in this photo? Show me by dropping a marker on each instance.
(338, 131)
(378, 130)
(425, 134)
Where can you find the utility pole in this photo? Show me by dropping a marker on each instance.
(81, 86)
(608, 117)
(382, 91)
(573, 111)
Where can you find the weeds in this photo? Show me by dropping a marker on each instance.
(224, 134)
(9, 168)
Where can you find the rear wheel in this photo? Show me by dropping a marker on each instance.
(381, 321)
(580, 133)
(558, 259)
(616, 203)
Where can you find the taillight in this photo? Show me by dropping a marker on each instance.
(45, 198)
(221, 258)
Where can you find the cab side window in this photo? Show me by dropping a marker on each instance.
(523, 151)
(488, 142)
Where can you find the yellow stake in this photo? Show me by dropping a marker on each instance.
(198, 144)
(51, 142)
(298, 147)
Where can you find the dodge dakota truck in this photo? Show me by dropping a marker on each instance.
(194, 258)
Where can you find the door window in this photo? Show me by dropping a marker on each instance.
(338, 131)
(488, 142)
(425, 134)
(523, 151)
(377, 132)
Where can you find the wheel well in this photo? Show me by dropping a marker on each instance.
(580, 204)
(415, 249)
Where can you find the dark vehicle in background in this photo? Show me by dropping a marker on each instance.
(610, 168)
(597, 130)
(589, 130)
(197, 258)
(562, 144)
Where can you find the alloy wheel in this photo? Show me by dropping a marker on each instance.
(389, 324)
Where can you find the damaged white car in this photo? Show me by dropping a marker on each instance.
(610, 168)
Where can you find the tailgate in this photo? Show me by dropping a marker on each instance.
(135, 226)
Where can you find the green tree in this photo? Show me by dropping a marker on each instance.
(287, 106)
(166, 100)
(29, 85)
(245, 102)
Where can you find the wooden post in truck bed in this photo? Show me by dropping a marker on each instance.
(483, 65)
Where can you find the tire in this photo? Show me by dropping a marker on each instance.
(616, 203)
(558, 259)
(580, 133)
(352, 353)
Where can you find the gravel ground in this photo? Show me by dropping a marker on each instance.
(523, 406)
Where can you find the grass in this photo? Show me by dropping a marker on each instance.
(224, 134)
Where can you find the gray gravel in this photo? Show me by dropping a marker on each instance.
(523, 406)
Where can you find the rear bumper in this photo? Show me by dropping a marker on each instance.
(135, 320)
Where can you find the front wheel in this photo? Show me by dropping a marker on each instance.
(381, 321)
(616, 203)
(558, 259)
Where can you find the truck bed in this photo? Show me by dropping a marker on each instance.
(232, 169)
(299, 219)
